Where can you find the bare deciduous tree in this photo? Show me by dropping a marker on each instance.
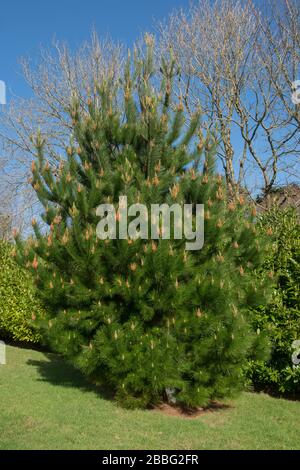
(238, 64)
(58, 75)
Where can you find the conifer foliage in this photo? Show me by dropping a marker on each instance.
(143, 316)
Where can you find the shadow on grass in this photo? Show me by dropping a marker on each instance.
(272, 392)
(57, 372)
(26, 345)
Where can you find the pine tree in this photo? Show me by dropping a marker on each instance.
(142, 316)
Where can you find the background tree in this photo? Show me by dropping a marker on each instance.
(52, 79)
(238, 63)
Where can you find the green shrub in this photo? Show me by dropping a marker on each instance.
(281, 318)
(18, 300)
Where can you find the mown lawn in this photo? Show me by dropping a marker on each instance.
(47, 405)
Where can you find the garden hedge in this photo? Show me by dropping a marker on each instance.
(281, 318)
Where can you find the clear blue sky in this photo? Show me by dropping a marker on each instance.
(27, 24)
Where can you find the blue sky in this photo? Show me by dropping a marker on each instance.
(27, 24)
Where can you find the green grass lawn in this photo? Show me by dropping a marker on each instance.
(47, 405)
